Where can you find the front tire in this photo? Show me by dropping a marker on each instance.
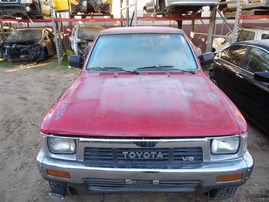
(162, 5)
(222, 193)
(46, 54)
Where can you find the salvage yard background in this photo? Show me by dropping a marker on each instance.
(27, 91)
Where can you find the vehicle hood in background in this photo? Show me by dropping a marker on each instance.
(144, 105)
(21, 42)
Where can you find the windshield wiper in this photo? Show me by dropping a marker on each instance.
(155, 67)
(166, 66)
(113, 68)
(185, 70)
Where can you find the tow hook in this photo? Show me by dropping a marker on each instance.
(58, 193)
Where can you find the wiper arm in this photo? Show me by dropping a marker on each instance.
(185, 70)
(155, 66)
(107, 68)
(104, 68)
(166, 66)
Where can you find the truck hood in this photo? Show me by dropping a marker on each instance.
(144, 105)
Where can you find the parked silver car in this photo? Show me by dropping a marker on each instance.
(249, 4)
(181, 6)
(81, 38)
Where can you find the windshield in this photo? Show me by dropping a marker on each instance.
(24, 35)
(89, 32)
(134, 51)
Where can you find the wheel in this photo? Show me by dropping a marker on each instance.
(60, 188)
(162, 5)
(46, 54)
(221, 193)
(211, 74)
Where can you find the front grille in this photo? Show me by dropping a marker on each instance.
(120, 185)
(168, 158)
(8, 1)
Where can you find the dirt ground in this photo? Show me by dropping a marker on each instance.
(26, 92)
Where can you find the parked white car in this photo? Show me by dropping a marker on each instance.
(81, 38)
(179, 6)
(249, 4)
(245, 34)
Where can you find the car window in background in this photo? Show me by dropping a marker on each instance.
(234, 54)
(89, 32)
(265, 36)
(131, 51)
(246, 35)
(24, 35)
(257, 60)
(224, 54)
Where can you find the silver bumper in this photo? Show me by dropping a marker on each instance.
(113, 180)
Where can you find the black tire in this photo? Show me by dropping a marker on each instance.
(46, 54)
(222, 193)
(162, 5)
(212, 74)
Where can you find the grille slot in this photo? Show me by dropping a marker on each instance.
(169, 158)
(118, 185)
(9, 1)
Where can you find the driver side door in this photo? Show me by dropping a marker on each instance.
(254, 94)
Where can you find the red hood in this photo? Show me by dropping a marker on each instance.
(144, 105)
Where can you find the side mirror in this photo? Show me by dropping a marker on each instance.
(262, 76)
(75, 61)
(206, 58)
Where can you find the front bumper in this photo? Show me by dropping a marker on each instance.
(201, 179)
(23, 52)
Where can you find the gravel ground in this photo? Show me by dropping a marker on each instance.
(26, 92)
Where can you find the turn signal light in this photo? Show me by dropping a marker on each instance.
(232, 177)
(58, 173)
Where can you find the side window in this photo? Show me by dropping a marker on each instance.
(224, 54)
(265, 36)
(257, 60)
(234, 54)
(46, 34)
(246, 35)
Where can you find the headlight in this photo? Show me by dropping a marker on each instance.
(26, 1)
(59, 145)
(225, 145)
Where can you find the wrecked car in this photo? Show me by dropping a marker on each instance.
(82, 37)
(26, 44)
(91, 6)
(23, 8)
(83, 7)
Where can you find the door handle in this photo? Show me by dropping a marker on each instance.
(239, 75)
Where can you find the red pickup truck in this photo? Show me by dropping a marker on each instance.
(143, 117)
